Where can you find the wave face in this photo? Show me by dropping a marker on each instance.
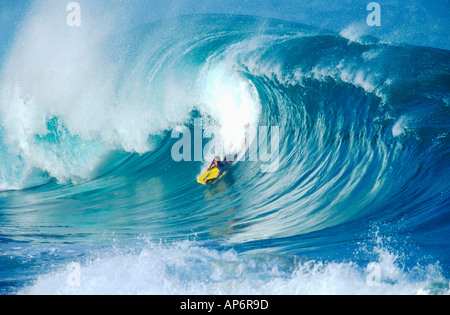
(357, 203)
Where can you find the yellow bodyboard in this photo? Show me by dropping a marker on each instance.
(212, 173)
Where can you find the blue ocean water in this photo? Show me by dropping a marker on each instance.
(357, 203)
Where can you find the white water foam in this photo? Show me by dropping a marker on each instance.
(354, 32)
(232, 101)
(400, 127)
(189, 268)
